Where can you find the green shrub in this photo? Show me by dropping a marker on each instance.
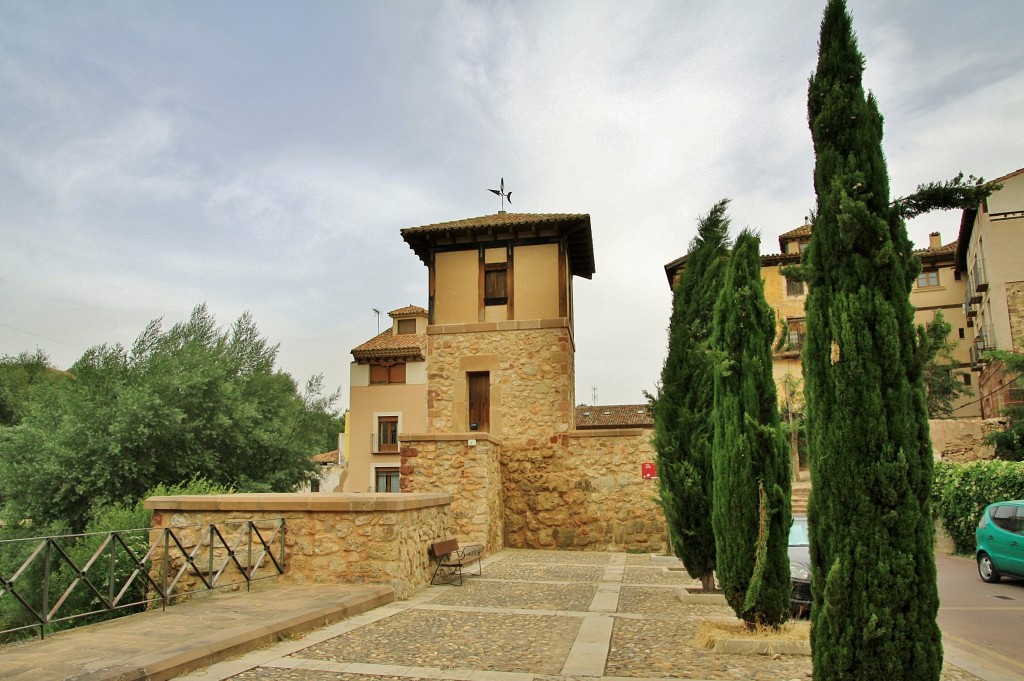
(962, 491)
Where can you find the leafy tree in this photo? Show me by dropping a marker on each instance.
(751, 513)
(18, 375)
(682, 408)
(873, 566)
(942, 381)
(192, 400)
(1010, 442)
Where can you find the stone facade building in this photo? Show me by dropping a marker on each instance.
(496, 427)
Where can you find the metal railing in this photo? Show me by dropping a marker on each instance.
(49, 580)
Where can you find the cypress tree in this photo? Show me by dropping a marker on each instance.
(873, 566)
(751, 514)
(682, 408)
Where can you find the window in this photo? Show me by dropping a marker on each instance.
(314, 486)
(967, 379)
(479, 386)
(1004, 517)
(387, 434)
(794, 287)
(406, 327)
(796, 329)
(381, 374)
(927, 279)
(386, 479)
(496, 283)
(962, 333)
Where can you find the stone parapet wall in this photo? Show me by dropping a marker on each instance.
(470, 473)
(963, 440)
(1015, 311)
(329, 538)
(583, 490)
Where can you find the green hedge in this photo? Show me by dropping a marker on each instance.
(961, 492)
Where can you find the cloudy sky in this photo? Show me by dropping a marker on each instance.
(264, 156)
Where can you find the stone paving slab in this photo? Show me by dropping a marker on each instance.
(508, 570)
(161, 644)
(528, 595)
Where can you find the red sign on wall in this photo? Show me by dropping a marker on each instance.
(648, 471)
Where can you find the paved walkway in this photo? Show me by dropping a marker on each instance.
(532, 616)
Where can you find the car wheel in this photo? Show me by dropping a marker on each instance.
(987, 570)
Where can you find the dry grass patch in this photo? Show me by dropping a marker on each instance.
(711, 631)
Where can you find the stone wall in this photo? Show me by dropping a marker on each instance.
(1015, 310)
(330, 538)
(963, 439)
(470, 473)
(583, 490)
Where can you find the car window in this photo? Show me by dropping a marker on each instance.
(1005, 517)
(798, 533)
(1019, 520)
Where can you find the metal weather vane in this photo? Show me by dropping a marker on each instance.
(505, 196)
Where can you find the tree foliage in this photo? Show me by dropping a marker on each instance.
(752, 514)
(1010, 442)
(18, 377)
(189, 401)
(873, 567)
(955, 194)
(943, 382)
(682, 408)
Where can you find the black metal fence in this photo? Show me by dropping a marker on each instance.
(46, 582)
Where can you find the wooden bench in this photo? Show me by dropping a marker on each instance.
(449, 556)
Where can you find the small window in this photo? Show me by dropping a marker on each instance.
(386, 479)
(314, 486)
(796, 329)
(956, 274)
(962, 332)
(928, 279)
(406, 327)
(967, 379)
(387, 434)
(382, 374)
(496, 284)
(794, 287)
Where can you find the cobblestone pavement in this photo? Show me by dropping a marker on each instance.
(532, 616)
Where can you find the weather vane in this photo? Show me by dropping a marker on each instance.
(505, 196)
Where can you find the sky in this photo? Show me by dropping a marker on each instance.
(263, 156)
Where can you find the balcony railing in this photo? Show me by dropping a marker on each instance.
(49, 580)
(980, 279)
(378, 447)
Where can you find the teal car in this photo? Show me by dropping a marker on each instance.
(1000, 541)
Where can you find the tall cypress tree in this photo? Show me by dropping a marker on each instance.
(751, 514)
(873, 567)
(682, 408)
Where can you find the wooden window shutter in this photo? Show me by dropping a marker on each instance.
(479, 385)
(396, 373)
(378, 373)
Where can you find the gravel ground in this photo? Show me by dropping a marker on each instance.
(652, 630)
(536, 644)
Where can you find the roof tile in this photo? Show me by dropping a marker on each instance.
(387, 344)
(613, 416)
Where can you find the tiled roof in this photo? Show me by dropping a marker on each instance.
(613, 416)
(407, 311)
(948, 249)
(389, 345)
(802, 230)
(503, 227)
(326, 457)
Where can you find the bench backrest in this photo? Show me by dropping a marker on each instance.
(445, 547)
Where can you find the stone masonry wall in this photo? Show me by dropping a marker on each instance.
(470, 473)
(330, 538)
(1015, 308)
(584, 492)
(530, 363)
(963, 440)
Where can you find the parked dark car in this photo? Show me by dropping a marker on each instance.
(800, 566)
(999, 539)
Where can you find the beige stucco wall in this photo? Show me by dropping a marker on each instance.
(456, 287)
(329, 538)
(536, 282)
(408, 401)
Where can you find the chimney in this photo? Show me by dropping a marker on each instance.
(934, 241)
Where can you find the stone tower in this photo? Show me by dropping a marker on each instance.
(500, 327)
